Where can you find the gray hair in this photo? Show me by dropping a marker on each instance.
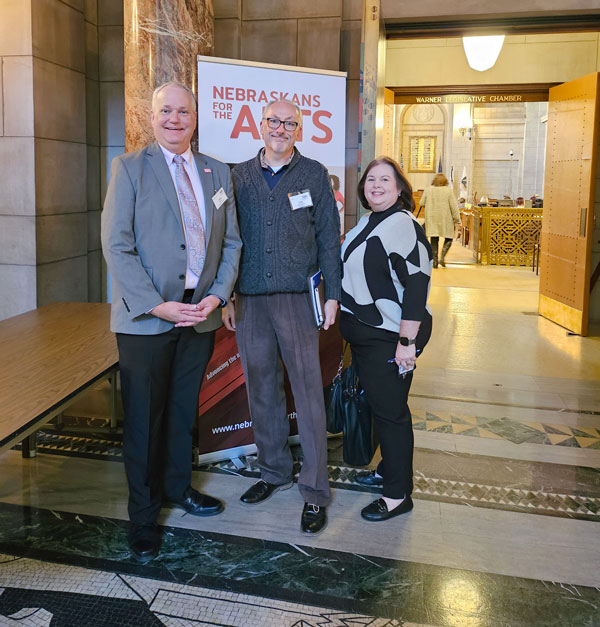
(293, 104)
(173, 84)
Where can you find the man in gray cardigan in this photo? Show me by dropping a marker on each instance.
(290, 229)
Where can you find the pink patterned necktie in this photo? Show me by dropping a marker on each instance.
(194, 229)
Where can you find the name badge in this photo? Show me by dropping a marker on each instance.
(219, 198)
(299, 200)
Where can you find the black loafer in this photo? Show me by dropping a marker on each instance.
(378, 510)
(144, 542)
(199, 504)
(314, 519)
(262, 490)
(369, 479)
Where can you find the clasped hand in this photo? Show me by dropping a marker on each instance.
(186, 314)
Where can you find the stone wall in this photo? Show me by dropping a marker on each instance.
(484, 154)
(43, 154)
(17, 161)
(62, 84)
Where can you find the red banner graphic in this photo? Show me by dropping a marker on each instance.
(223, 416)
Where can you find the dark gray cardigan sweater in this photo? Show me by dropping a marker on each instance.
(282, 248)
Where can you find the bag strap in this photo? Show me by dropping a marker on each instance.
(341, 366)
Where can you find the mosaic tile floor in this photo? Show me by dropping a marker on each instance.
(75, 596)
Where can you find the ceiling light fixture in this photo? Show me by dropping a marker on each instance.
(482, 52)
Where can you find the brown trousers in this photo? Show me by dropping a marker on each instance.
(272, 328)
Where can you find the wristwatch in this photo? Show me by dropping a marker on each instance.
(406, 341)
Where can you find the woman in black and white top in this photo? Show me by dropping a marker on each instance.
(385, 318)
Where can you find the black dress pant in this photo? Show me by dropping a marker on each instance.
(387, 394)
(161, 377)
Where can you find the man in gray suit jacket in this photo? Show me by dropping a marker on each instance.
(171, 242)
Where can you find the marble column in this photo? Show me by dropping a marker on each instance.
(372, 84)
(162, 39)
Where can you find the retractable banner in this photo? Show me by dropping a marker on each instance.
(232, 96)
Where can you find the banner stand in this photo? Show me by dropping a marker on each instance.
(233, 454)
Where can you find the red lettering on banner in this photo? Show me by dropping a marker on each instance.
(240, 94)
(317, 122)
(245, 124)
(217, 92)
(263, 97)
(295, 99)
(251, 95)
(316, 101)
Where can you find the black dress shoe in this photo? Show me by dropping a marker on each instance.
(369, 479)
(314, 519)
(378, 510)
(262, 490)
(144, 542)
(199, 504)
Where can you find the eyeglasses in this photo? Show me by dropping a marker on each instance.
(275, 123)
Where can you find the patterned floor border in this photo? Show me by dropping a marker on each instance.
(517, 432)
(580, 506)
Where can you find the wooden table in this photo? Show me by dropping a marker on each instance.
(48, 357)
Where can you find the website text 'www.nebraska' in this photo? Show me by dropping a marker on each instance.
(225, 428)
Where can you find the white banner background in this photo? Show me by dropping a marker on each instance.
(231, 98)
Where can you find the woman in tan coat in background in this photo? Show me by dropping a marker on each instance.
(441, 214)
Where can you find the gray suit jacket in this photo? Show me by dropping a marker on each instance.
(144, 243)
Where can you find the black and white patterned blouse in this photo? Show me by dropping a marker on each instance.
(386, 272)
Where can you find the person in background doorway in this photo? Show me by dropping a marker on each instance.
(441, 216)
(385, 318)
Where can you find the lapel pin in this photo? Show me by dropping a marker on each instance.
(207, 170)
